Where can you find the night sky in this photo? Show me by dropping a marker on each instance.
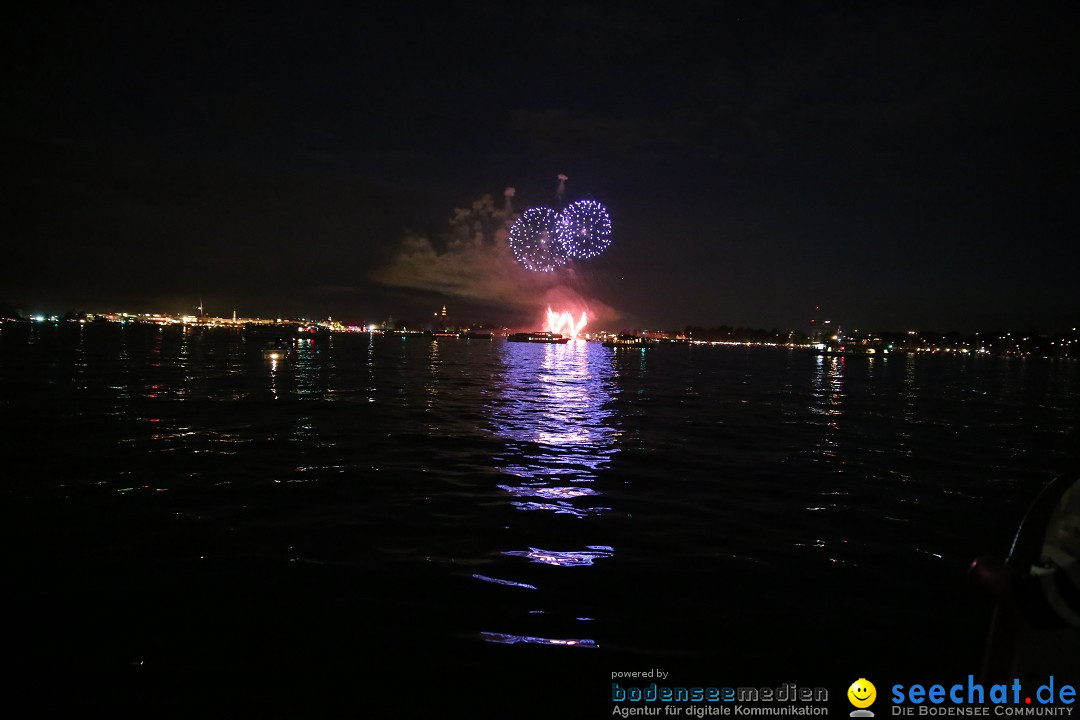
(903, 165)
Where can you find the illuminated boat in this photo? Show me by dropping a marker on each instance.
(276, 351)
(629, 341)
(840, 345)
(847, 350)
(538, 337)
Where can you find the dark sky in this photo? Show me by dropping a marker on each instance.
(904, 165)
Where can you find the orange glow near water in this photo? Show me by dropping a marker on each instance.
(564, 323)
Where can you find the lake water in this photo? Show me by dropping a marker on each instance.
(502, 525)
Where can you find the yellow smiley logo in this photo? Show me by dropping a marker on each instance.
(862, 693)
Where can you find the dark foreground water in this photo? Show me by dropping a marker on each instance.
(496, 527)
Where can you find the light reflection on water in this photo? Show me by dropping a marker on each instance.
(564, 559)
(508, 583)
(309, 370)
(828, 400)
(553, 406)
(469, 484)
(505, 639)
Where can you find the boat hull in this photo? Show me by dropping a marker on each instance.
(538, 337)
